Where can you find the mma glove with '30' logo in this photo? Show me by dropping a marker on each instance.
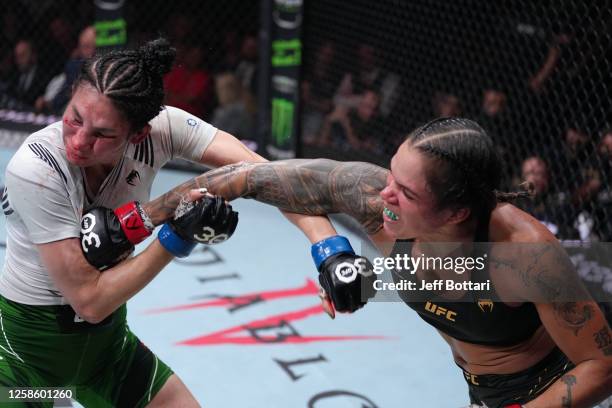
(347, 278)
(209, 220)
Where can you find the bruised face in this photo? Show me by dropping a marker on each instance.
(94, 131)
(410, 206)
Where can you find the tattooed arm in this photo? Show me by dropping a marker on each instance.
(226, 149)
(573, 320)
(313, 187)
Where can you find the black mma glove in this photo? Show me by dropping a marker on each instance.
(347, 278)
(209, 220)
(103, 240)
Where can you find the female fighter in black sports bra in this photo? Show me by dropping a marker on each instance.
(535, 338)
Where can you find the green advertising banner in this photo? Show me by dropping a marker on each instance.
(111, 28)
(285, 59)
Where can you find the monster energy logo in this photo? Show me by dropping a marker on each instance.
(291, 6)
(282, 120)
(286, 53)
(111, 33)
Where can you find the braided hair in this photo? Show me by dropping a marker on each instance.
(466, 170)
(132, 79)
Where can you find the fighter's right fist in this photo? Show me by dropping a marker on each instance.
(346, 278)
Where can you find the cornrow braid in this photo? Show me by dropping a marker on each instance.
(466, 171)
(528, 191)
(132, 79)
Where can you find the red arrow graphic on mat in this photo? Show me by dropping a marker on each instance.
(309, 288)
(256, 332)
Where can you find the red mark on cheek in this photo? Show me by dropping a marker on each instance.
(67, 123)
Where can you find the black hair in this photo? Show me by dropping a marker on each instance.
(466, 171)
(132, 79)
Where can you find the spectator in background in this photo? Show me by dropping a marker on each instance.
(547, 207)
(189, 86)
(6, 69)
(494, 117)
(233, 113)
(575, 68)
(575, 165)
(84, 13)
(318, 89)
(605, 154)
(360, 127)
(579, 160)
(538, 81)
(30, 79)
(446, 105)
(368, 73)
(180, 26)
(15, 23)
(59, 42)
(571, 155)
(59, 90)
(603, 203)
(493, 102)
(231, 51)
(247, 65)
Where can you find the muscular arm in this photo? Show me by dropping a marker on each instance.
(313, 187)
(573, 320)
(226, 149)
(94, 295)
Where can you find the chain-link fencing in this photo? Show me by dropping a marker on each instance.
(43, 44)
(535, 75)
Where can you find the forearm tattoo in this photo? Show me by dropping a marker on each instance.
(227, 181)
(569, 381)
(313, 187)
(603, 339)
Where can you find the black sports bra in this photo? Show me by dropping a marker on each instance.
(476, 317)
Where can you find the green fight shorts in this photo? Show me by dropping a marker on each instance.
(104, 364)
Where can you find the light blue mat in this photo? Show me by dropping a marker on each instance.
(253, 334)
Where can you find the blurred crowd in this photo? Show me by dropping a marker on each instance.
(41, 55)
(539, 92)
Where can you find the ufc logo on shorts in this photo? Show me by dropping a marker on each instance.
(208, 236)
(347, 272)
(89, 237)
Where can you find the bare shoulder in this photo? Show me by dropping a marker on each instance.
(528, 261)
(511, 224)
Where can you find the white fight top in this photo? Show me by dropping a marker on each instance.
(45, 195)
